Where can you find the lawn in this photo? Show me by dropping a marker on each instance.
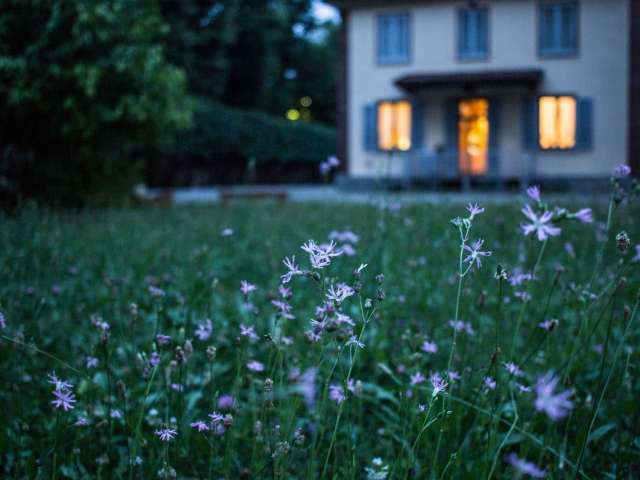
(524, 365)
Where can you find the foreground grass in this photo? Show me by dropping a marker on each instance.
(325, 408)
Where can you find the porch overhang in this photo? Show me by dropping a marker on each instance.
(469, 80)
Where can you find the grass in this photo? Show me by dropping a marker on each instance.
(64, 274)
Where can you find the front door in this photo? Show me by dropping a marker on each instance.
(473, 136)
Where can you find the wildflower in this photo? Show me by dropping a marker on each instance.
(453, 375)
(621, 170)
(248, 331)
(342, 319)
(524, 296)
(199, 425)
(568, 247)
(320, 255)
(354, 341)
(115, 413)
(91, 362)
(308, 387)
(519, 278)
(490, 383)
(359, 270)
(3, 322)
(438, 383)
(354, 386)
(460, 326)
(474, 209)
(333, 161)
(549, 325)
(162, 339)
(246, 288)
(284, 309)
(541, 225)
(417, 378)
(584, 215)
(636, 258)
(63, 399)
(325, 168)
(623, 241)
(336, 393)
(344, 237)
(204, 330)
(292, 269)
(525, 467)
(556, 406)
(227, 232)
(475, 254)
(429, 347)
(156, 292)
(377, 471)
(226, 402)
(82, 421)
(255, 366)
(523, 388)
(166, 434)
(58, 384)
(513, 369)
(285, 292)
(534, 193)
(339, 293)
(154, 359)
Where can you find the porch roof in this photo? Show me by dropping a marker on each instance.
(416, 82)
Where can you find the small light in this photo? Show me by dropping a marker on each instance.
(293, 114)
(306, 101)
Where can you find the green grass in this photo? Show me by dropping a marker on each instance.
(60, 271)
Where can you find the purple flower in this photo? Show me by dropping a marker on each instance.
(490, 383)
(523, 388)
(325, 168)
(460, 326)
(154, 359)
(621, 170)
(429, 347)
(354, 341)
(340, 292)
(438, 383)
(474, 253)
(246, 288)
(308, 386)
(156, 292)
(320, 255)
(584, 215)
(204, 330)
(82, 421)
(166, 434)
(57, 383)
(556, 406)
(333, 161)
(534, 193)
(285, 292)
(226, 402)
(91, 362)
(417, 378)
(115, 413)
(474, 209)
(541, 225)
(513, 369)
(549, 324)
(292, 269)
(163, 339)
(344, 237)
(255, 366)
(3, 322)
(636, 258)
(200, 425)
(248, 331)
(227, 232)
(525, 467)
(336, 393)
(64, 399)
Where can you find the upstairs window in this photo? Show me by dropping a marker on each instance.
(557, 122)
(394, 125)
(472, 33)
(558, 28)
(393, 38)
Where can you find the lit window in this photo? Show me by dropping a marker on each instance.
(394, 125)
(557, 122)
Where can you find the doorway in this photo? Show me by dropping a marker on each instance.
(473, 136)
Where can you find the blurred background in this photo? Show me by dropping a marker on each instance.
(100, 96)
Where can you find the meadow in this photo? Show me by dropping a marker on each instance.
(175, 343)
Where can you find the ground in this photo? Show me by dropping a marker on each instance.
(117, 302)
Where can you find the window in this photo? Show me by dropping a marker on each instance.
(558, 28)
(557, 122)
(393, 38)
(472, 33)
(394, 125)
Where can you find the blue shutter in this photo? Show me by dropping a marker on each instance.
(495, 108)
(417, 124)
(529, 123)
(451, 135)
(394, 38)
(403, 38)
(584, 123)
(463, 28)
(483, 31)
(369, 123)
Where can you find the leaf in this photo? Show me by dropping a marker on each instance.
(601, 431)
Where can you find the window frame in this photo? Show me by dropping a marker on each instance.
(549, 54)
(470, 57)
(411, 124)
(393, 61)
(539, 147)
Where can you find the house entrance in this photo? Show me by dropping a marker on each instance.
(473, 136)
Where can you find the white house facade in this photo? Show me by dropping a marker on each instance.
(489, 90)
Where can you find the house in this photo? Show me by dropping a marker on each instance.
(489, 90)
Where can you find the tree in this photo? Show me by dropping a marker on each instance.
(84, 86)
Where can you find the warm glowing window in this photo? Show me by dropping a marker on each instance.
(557, 122)
(394, 125)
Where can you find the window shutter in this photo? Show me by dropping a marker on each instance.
(417, 124)
(402, 50)
(584, 123)
(495, 110)
(483, 29)
(529, 123)
(370, 121)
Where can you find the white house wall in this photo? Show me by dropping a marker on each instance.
(598, 71)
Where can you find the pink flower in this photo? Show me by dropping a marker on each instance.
(336, 393)
(584, 215)
(3, 322)
(308, 386)
(474, 209)
(417, 378)
(490, 383)
(333, 161)
(429, 347)
(227, 232)
(255, 366)
(556, 406)
(292, 269)
(166, 434)
(534, 193)
(541, 225)
(636, 258)
(438, 383)
(513, 369)
(524, 467)
(621, 171)
(474, 253)
(248, 331)
(204, 330)
(246, 288)
(200, 425)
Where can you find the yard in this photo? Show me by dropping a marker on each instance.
(131, 346)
